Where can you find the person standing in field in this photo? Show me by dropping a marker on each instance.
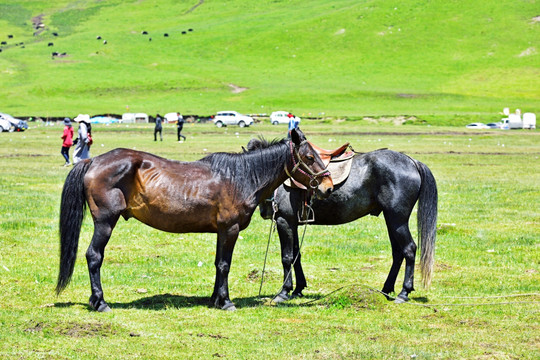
(84, 140)
(158, 128)
(179, 127)
(293, 123)
(67, 138)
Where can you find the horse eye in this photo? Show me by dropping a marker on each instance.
(310, 157)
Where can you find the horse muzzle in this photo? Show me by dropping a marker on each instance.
(325, 188)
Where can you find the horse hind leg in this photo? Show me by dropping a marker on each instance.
(226, 241)
(94, 259)
(403, 247)
(105, 216)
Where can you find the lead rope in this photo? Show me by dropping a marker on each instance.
(272, 229)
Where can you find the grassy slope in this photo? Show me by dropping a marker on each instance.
(343, 57)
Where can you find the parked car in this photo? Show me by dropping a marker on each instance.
(224, 118)
(494, 125)
(281, 117)
(5, 125)
(15, 124)
(477, 126)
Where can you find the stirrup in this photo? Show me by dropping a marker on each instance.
(307, 210)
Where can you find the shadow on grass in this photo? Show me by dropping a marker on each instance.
(166, 301)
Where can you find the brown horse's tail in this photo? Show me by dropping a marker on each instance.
(427, 222)
(72, 210)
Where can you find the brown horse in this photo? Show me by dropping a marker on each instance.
(217, 194)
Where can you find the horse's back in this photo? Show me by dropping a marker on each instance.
(379, 180)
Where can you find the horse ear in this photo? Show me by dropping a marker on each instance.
(297, 136)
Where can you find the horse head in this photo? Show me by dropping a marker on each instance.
(307, 167)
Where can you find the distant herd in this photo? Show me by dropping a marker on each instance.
(55, 54)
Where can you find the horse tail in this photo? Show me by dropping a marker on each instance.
(72, 210)
(427, 222)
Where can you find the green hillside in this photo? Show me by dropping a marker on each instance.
(339, 57)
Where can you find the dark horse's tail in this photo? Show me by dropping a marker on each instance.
(72, 210)
(427, 222)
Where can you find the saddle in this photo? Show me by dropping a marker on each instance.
(337, 161)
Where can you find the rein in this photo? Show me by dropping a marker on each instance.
(306, 170)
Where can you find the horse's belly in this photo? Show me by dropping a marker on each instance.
(176, 217)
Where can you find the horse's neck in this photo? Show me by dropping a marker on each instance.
(276, 176)
(267, 192)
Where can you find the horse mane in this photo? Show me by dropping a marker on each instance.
(254, 169)
(261, 143)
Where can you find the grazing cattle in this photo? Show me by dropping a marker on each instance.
(149, 39)
(184, 33)
(104, 42)
(145, 32)
(54, 54)
(4, 42)
(190, 29)
(50, 44)
(55, 34)
(98, 37)
(10, 36)
(166, 35)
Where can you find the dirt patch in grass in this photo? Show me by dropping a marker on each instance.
(34, 327)
(80, 330)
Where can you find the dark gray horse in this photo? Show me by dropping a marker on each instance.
(379, 181)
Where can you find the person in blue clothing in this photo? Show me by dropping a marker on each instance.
(293, 122)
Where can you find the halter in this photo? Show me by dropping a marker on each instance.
(298, 162)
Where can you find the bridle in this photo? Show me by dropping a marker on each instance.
(303, 168)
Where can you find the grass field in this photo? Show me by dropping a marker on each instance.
(484, 302)
(340, 58)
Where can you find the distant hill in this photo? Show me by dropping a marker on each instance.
(339, 57)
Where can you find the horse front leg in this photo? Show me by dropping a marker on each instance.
(290, 256)
(94, 259)
(226, 240)
(286, 238)
(301, 282)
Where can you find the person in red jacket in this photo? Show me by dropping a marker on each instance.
(67, 136)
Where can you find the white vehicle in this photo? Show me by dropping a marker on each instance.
(529, 121)
(513, 121)
(224, 118)
(477, 126)
(281, 117)
(5, 125)
(171, 117)
(13, 124)
(134, 118)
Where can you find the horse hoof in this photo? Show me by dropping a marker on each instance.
(400, 300)
(297, 295)
(280, 298)
(229, 307)
(104, 308)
